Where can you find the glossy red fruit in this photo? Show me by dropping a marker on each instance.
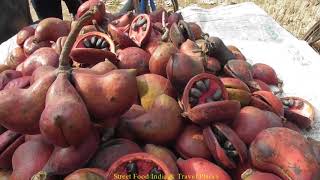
(29, 158)
(140, 29)
(285, 153)
(30, 45)
(205, 100)
(139, 165)
(50, 29)
(237, 90)
(65, 120)
(299, 111)
(123, 130)
(42, 57)
(24, 34)
(239, 69)
(120, 36)
(181, 68)
(265, 73)
(212, 65)
(7, 76)
(266, 100)
(111, 151)
(191, 143)
(160, 57)
(150, 86)
(89, 4)
(251, 121)
(259, 86)
(225, 145)
(124, 20)
(21, 83)
(9, 142)
(251, 174)
(66, 160)
(165, 155)
(198, 168)
(15, 57)
(161, 123)
(93, 47)
(236, 52)
(134, 58)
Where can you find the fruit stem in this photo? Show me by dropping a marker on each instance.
(64, 64)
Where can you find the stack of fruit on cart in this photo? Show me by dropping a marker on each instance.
(145, 96)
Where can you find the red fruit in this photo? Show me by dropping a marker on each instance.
(191, 143)
(266, 100)
(299, 111)
(29, 158)
(285, 153)
(66, 160)
(265, 73)
(251, 121)
(16, 57)
(225, 145)
(42, 57)
(134, 58)
(111, 151)
(140, 29)
(160, 58)
(50, 29)
(205, 100)
(181, 68)
(87, 174)
(65, 120)
(89, 4)
(251, 174)
(194, 168)
(7, 76)
(31, 45)
(24, 34)
(142, 165)
(93, 47)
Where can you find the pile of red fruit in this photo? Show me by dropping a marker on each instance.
(145, 96)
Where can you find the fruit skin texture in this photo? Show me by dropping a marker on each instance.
(144, 158)
(251, 174)
(165, 155)
(285, 153)
(251, 121)
(41, 57)
(29, 158)
(111, 151)
(87, 174)
(196, 167)
(191, 144)
(50, 29)
(65, 120)
(15, 57)
(160, 124)
(264, 73)
(7, 76)
(87, 5)
(65, 160)
(21, 108)
(134, 58)
(160, 58)
(108, 95)
(150, 86)
(24, 34)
